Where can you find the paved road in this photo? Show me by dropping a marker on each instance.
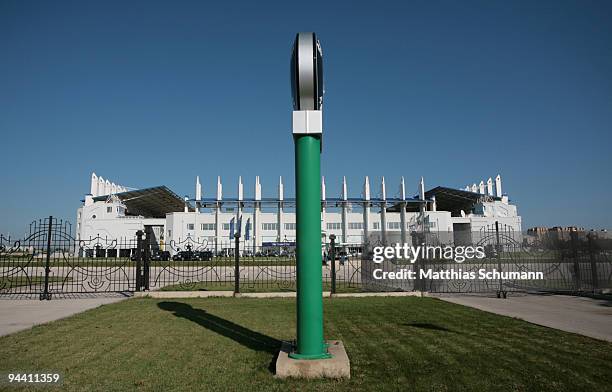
(19, 314)
(585, 316)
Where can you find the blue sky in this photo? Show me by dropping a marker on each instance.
(150, 93)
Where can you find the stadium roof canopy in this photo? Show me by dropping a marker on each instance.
(449, 199)
(153, 202)
(412, 204)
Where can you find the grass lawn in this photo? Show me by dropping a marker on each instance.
(227, 344)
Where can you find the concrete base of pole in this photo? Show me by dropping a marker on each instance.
(338, 366)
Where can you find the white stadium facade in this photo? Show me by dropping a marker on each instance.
(116, 212)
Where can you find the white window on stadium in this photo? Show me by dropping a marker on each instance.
(226, 226)
(376, 225)
(290, 226)
(190, 226)
(268, 226)
(334, 226)
(207, 226)
(355, 225)
(393, 225)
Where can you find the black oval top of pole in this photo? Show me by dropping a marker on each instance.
(307, 72)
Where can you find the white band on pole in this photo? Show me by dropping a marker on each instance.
(307, 122)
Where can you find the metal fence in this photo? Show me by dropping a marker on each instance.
(49, 261)
(572, 262)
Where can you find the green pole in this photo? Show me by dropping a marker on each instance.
(310, 341)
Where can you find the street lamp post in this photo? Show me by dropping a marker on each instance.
(307, 91)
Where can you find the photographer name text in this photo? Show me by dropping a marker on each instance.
(457, 254)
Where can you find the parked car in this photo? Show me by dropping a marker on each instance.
(188, 255)
(204, 255)
(340, 255)
(163, 255)
(156, 255)
(184, 255)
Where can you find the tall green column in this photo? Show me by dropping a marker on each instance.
(310, 341)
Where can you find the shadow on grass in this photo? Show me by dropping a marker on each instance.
(428, 326)
(246, 337)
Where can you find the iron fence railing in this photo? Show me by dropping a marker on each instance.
(50, 261)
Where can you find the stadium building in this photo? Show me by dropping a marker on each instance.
(116, 212)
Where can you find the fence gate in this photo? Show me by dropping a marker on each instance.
(49, 260)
